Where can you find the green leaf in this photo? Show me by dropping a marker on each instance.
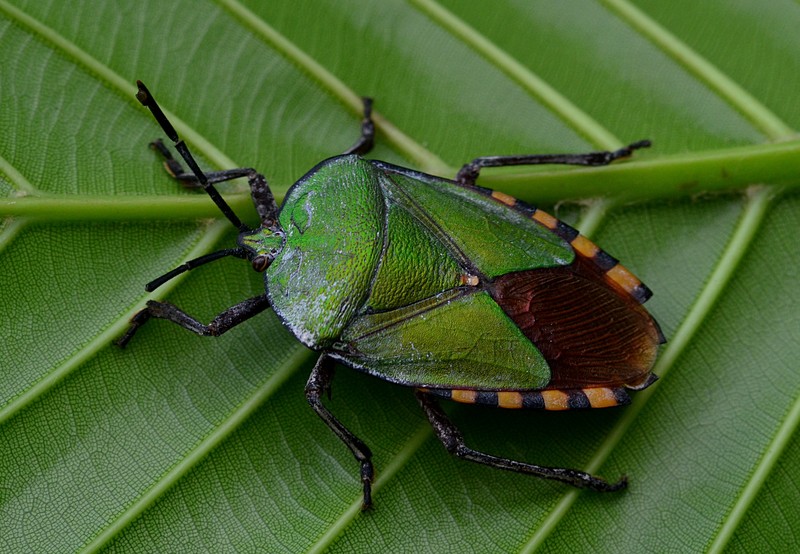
(179, 443)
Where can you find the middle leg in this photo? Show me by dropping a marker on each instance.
(319, 383)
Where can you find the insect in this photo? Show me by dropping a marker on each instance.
(454, 290)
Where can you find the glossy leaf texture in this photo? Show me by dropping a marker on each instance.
(182, 443)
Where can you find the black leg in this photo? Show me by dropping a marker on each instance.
(262, 196)
(365, 142)
(468, 174)
(225, 321)
(189, 179)
(319, 383)
(453, 441)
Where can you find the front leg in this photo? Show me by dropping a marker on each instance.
(319, 383)
(225, 321)
(262, 196)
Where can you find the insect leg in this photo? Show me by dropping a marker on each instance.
(225, 321)
(365, 142)
(468, 174)
(262, 196)
(453, 441)
(189, 179)
(319, 383)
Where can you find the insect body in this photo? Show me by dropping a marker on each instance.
(455, 290)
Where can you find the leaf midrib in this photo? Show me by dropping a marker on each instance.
(712, 168)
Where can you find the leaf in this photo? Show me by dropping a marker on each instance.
(179, 443)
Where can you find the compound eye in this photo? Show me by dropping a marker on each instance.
(260, 263)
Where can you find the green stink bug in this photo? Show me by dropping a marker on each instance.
(457, 291)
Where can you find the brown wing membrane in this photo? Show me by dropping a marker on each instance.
(590, 333)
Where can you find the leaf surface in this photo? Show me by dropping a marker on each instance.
(179, 443)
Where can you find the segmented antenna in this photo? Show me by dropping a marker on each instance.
(147, 100)
(191, 264)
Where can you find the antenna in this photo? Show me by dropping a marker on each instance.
(191, 264)
(147, 100)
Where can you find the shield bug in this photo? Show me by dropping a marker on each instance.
(451, 289)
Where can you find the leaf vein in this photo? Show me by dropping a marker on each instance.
(761, 116)
(750, 222)
(532, 83)
(115, 80)
(422, 157)
(192, 458)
